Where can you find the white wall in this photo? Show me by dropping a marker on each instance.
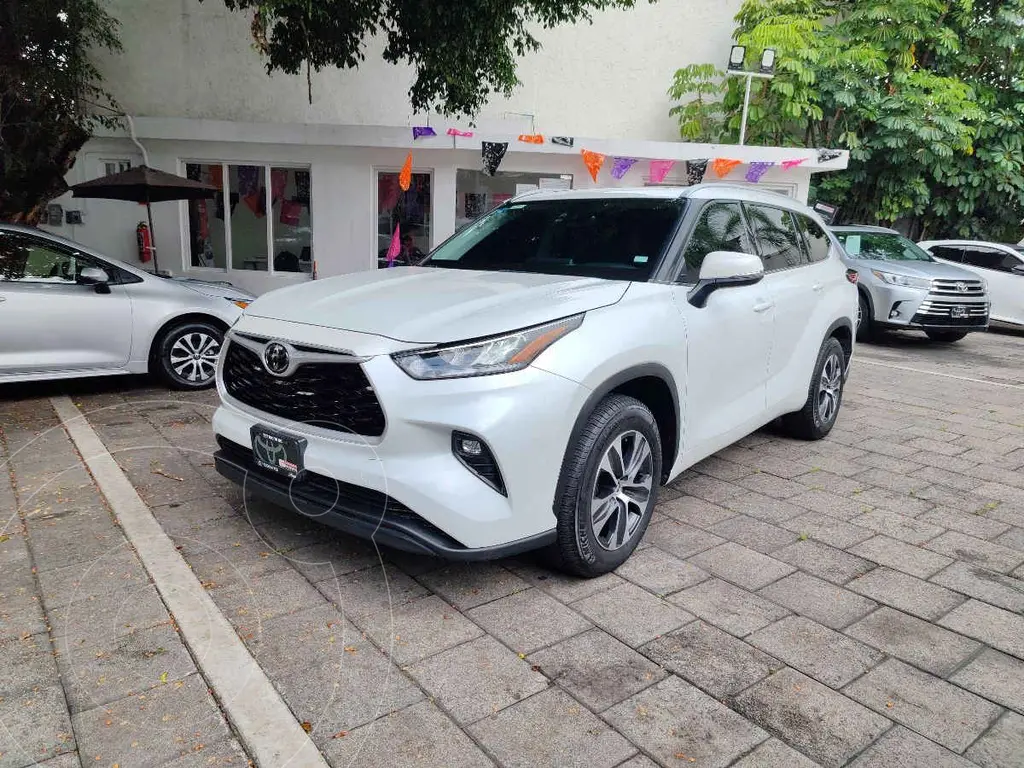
(183, 58)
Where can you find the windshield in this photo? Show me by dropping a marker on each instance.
(884, 246)
(614, 238)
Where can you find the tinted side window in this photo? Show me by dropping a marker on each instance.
(817, 241)
(777, 238)
(26, 259)
(719, 228)
(989, 258)
(947, 252)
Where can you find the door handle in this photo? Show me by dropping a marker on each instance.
(818, 287)
(3, 299)
(763, 306)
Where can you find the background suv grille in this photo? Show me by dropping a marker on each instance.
(952, 288)
(335, 396)
(945, 309)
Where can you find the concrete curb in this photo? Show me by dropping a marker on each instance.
(267, 728)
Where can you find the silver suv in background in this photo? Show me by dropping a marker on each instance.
(67, 312)
(902, 287)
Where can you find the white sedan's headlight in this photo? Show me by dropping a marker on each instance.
(497, 354)
(903, 280)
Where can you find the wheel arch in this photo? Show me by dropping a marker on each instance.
(654, 386)
(843, 331)
(867, 297)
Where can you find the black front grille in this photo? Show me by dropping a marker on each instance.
(335, 396)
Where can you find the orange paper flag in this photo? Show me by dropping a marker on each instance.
(593, 161)
(405, 177)
(531, 138)
(723, 165)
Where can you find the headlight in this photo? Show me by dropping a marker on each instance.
(903, 280)
(497, 354)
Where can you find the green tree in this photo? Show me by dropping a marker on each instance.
(48, 93)
(926, 95)
(461, 52)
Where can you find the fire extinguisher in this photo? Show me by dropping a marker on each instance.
(145, 242)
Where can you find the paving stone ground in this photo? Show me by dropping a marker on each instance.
(857, 601)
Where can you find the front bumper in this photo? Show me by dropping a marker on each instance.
(525, 418)
(898, 307)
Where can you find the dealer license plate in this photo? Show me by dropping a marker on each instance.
(276, 452)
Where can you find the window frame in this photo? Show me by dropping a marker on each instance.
(796, 229)
(267, 166)
(965, 249)
(949, 246)
(375, 172)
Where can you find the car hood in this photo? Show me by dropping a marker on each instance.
(214, 289)
(925, 269)
(431, 305)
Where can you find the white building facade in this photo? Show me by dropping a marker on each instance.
(314, 188)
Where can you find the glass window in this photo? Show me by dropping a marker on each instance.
(476, 192)
(990, 258)
(882, 246)
(409, 211)
(815, 239)
(207, 240)
(615, 238)
(289, 205)
(248, 217)
(255, 233)
(947, 252)
(776, 236)
(26, 259)
(720, 228)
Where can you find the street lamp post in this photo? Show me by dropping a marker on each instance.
(737, 57)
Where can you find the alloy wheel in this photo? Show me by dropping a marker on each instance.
(622, 490)
(830, 388)
(193, 356)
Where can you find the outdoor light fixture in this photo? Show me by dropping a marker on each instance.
(766, 71)
(736, 58)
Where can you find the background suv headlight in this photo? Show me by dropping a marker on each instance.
(496, 354)
(903, 280)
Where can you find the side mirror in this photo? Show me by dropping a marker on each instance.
(1018, 270)
(95, 277)
(725, 269)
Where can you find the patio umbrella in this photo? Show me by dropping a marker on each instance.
(143, 184)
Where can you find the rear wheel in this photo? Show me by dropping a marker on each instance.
(824, 397)
(946, 337)
(608, 488)
(185, 357)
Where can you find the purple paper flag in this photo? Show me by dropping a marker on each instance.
(419, 131)
(621, 166)
(396, 246)
(659, 170)
(758, 168)
(457, 132)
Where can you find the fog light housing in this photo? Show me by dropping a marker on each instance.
(895, 311)
(476, 456)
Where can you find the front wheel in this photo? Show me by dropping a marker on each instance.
(608, 488)
(824, 397)
(946, 337)
(185, 356)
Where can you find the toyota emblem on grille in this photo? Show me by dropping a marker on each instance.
(275, 358)
(961, 287)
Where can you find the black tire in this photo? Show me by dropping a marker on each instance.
(946, 337)
(578, 549)
(176, 370)
(809, 423)
(865, 322)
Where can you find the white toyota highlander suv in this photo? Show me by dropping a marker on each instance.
(541, 373)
